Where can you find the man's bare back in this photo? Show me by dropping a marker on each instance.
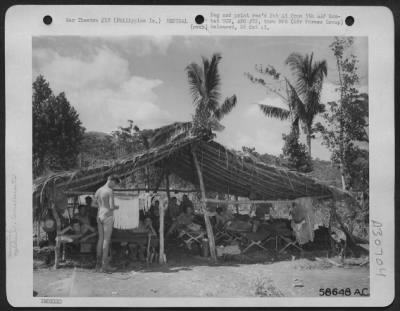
(105, 199)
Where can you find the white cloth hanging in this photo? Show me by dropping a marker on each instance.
(127, 215)
(304, 230)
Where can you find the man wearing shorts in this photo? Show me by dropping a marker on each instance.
(105, 221)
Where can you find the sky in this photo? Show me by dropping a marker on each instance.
(110, 80)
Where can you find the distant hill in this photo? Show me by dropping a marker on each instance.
(97, 148)
(98, 135)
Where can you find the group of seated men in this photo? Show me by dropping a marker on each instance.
(177, 217)
(80, 226)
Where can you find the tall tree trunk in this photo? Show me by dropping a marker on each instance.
(342, 175)
(341, 129)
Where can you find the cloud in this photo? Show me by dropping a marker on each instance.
(102, 90)
(138, 45)
(329, 93)
(264, 140)
(194, 42)
(161, 43)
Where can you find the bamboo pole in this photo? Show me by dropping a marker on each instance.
(207, 200)
(74, 193)
(210, 232)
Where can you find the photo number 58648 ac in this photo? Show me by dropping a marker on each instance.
(343, 292)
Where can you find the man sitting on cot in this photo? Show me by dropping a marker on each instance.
(185, 221)
(185, 203)
(77, 232)
(105, 220)
(223, 216)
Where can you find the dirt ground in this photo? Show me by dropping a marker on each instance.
(193, 276)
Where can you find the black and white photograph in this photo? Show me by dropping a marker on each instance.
(182, 166)
(199, 156)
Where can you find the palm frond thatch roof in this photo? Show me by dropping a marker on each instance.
(224, 171)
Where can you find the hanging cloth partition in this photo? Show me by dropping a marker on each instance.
(127, 215)
(303, 220)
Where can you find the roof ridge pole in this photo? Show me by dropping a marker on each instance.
(210, 232)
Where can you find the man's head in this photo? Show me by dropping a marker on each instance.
(112, 181)
(147, 221)
(188, 210)
(156, 203)
(88, 201)
(185, 197)
(76, 226)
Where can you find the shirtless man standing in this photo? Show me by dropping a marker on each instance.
(105, 221)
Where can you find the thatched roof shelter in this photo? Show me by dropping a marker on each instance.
(198, 160)
(223, 170)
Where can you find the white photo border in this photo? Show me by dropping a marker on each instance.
(22, 22)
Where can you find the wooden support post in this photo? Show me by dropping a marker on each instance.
(162, 218)
(237, 205)
(331, 218)
(167, 185)
(210, 232)
(162, 255)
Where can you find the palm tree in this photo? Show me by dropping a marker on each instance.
(309, 77)
(303, 98)
(205, 84)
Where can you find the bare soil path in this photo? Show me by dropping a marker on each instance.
(302, 277)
